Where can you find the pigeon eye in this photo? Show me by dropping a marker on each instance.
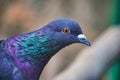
(66, 31)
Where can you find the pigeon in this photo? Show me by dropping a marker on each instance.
(24, 57)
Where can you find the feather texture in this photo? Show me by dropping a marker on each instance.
(23, 57)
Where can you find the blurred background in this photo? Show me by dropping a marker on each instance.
(22, 16)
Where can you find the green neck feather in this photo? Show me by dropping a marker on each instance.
(34, 47)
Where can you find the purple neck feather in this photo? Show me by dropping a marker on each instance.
(31, 69)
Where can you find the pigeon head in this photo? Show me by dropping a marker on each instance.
(48, 40)
(67, 31)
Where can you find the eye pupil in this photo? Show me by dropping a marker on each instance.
(66, 30)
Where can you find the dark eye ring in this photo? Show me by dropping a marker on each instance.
(66, 31)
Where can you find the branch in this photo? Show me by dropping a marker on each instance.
(93, 62)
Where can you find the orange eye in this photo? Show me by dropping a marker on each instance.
(66, 30)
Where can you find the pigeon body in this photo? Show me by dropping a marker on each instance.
(23, 57)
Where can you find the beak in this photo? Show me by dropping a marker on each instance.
(83, 40)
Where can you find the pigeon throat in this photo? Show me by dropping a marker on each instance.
(33, 48)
